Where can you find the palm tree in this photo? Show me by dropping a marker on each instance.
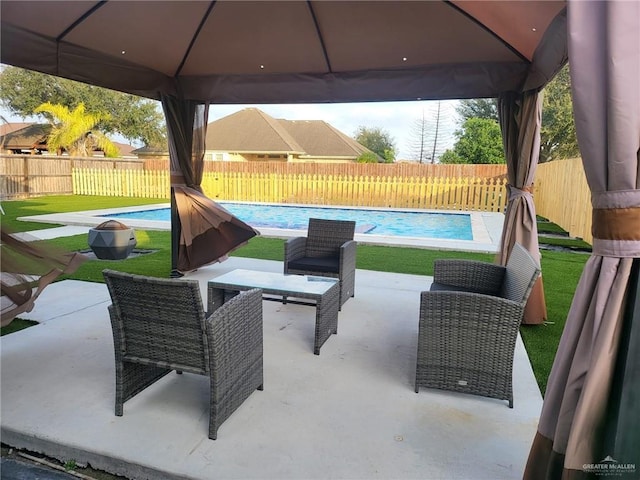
(73, 131)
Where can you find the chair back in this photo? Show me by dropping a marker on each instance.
(159, 321)
(522, 271)
(325, 237)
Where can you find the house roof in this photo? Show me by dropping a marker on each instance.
(27, 137)
(248, 131)
(318, 138)
(151, 150)
(126, 150)
(12, 127)
(253, 131)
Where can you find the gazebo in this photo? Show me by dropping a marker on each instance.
(190, 54)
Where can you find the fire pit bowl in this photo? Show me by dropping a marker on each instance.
(112, 240)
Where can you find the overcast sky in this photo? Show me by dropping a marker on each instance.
(398, 119)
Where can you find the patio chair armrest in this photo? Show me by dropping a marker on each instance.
(294, 248)
(235, 348)
(470, 324)
(116, 328)
(348, 255)
(234, 327)
(474, 276)
(456, 308)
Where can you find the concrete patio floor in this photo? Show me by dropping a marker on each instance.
(349, 413)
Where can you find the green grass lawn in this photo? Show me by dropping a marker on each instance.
(561, 271)
(16, 325)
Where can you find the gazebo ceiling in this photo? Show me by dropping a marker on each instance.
(291, 51)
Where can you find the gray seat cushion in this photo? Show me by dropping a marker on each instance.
(317, 264)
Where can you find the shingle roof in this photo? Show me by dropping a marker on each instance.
(12, 127)
(32, 135)
(318, 138)
(252, 130)
(151, 150)
(126, 150)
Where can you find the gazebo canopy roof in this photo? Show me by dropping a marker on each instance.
(291, 51)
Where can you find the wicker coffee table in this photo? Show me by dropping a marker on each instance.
(321, 292)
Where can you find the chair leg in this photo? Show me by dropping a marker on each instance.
(132, 378)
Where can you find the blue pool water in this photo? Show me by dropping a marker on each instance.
(452, 226)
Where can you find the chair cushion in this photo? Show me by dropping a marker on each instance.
(316, 264)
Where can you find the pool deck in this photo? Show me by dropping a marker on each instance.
(349, 413)
(486, 228)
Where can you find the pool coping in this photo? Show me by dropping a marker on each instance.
(486, 227)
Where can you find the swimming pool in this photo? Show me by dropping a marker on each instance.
(418, 224)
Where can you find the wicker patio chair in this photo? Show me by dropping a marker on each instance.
(469, 323)
(159, 325)
(328, 250)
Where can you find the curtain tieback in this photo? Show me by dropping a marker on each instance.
(177, 179)
(515, 192)
(616, 223)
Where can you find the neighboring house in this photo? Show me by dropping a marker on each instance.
(151, 153)
(31, 139)
(126, 151)
(9, 127)
(252, 135)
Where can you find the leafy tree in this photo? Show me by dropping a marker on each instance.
(135, 118)
(558, 130)
(378, 141)
(449, 156)
(479, 141)
(478, 108)
(368, 157)
(74, 131)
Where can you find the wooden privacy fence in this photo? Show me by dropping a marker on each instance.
(120, 183)
(562, 195)
(365, 169)
(35, 175)
(480, 194)
(24, 176)
(21, 176)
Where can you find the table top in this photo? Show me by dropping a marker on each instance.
(274, 282)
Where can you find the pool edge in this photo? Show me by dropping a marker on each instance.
(486, 227)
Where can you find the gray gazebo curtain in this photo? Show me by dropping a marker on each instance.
(520, 119)
(591, 413)
(203, 232)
